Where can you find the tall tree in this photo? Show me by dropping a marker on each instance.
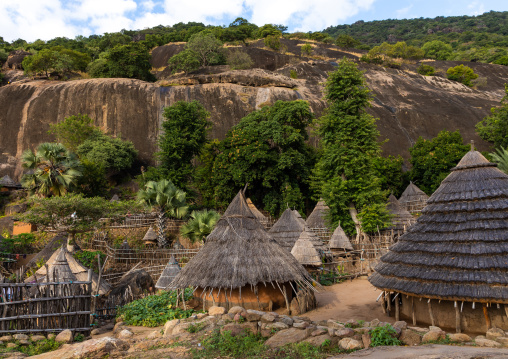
(74, 130)
(344, 176)
(494, 128)
(54, 170)
(166, 199)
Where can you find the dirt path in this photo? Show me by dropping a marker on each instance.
(349, 300)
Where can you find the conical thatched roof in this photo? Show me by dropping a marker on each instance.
(259, 216)
(47, 252)
(168, 274)
(59, 269)
(339, 240)
(288, 228)
(412, 195)
(79, 271)
(150, 235)
(240, 252)
(317, 218)
(7, 181)
(400, 217)
(304, 251)
(457, 250)
(115, 198)
(125, 245)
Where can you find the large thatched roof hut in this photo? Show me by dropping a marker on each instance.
(413, 199)
(317, 218)
(304, 251)
(168, 274)
(241, 264)
(456, 253)
(401, 219)
(288, 228)
(339, 240)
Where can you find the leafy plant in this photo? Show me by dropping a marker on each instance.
(39, 347)
(293, 74)
(194, 328)
(239, 60)
(226, 345)
(79, 337)
(200, 225)
(494, 128)
(89, 259)
(426, 70)
(501, 158)
(462, 74)
(306, 50)
(384, 336)
(154, 310)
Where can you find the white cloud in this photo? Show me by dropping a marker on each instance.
(476, 8)
(46, 19)
(402, 13)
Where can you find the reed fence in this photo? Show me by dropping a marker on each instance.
(51, 306)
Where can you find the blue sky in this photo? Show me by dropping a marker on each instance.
(46, 19)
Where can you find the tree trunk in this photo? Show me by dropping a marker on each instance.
(161, 229)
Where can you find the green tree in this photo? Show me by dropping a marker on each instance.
(93, 180)
(432, 160)
(389, 171)
(494, 128)
(53, 170)
(185, 61)
(344, 176)
(55, 59)
(273, 42)
(200, 225)
(239, 60)
(184, 129)
(267, 149)
(426, 70)
(74, 130)
(207, 48)
(166, 199)
(437, 49)
(268, 30)
(306, 49)
(501, 158)
(74, 213)
(461, 73)
(347, 41)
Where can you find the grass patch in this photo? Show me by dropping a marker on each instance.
(40, 347)
(194, 328)
(384, 336)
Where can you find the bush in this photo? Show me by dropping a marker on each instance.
(306, 50)
(273, 42)
(426, 70)
(89, 259)
(154, 310)
(293, 74)
(462, 74)
(502, 61)
(384, 336)
(239, 60)
(43, 346)
(185, 61)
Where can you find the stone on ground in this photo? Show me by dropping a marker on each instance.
(254, 315)
(154, 335)
(410, 338)
(366, 340)
(400, 324)
(320, 339)
(344, 333)
(268, 318)
(350, 344)
(6, 338)
(240, 329)
(494, 333)
(125, 334)
(236, 310)
(11, 345)
(37, 338)
(433, 335)
(502, 340)
(484, 342)
(20, 337)
(287, 336)
(460, 337)
(65, 337)
(168, 327)
(216, 310)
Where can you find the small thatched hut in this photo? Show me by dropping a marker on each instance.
(240, 264)
(59, 269)
(168, 274)
(455, 256)
(288, 228)
(79, 272)
(7, 184)
(304, 251)
(317, 219)
(413, 199)
(259, 216)
(339, 240)
(401, 219)
(150, 237)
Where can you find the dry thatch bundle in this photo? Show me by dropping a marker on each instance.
(304, 251)
(340, 240)
(240, 252)
(259, 216)
(457, 248)
(400, 217)
(288, 228)
(317, 218)
(168, 274)
(413, 199)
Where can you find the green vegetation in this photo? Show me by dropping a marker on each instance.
(89, 259)
(273, 42)
(74, 130)
(39, 347)
(501, 158)
(437, 50)
(57, 60)
(462, 74)
(293, 74)
(344, 176)
(306, 50)
(398, 50)
(154, 310)
(389, 171)
(239, 60)
(194, 328)
(494, 128)
(200, 225)
(54, 170)
(431, 160)
(426, 70)
(347, 41)
(19, 243)
(268, 150)
(384, 336)
(203, 49)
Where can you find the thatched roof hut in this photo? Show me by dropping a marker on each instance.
(79, 271)
(150, 237)
(168, 274)
(8, 182)
(413, 199)
(49, 249)
(457, 249)
(241, 264)
(340, 240)
(59, 269)
(288, 228)
(304, 251)
(317, 218)
(259, 216)
(401, 219)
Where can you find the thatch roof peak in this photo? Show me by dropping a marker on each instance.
(60, 270)
(304, 250)
(317, 218)
(339, 240)
(411, 191)
(7, 181)
(150, 235)
(240, 252)
(457, 248)
(260, 216)
(168, 274)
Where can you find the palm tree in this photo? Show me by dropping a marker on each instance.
(164, 197)
(501, 158)
(53, 170)
(200, 226)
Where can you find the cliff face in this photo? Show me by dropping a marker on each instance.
(408, 105)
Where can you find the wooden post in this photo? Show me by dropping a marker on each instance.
(413, 310)
(389, 304)
(383, 302)
(505, 309)
(486, 314)
(183, 299)
(432, 321)
(457, 318)
(397, 313)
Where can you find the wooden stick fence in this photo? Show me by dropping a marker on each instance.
(45, 307)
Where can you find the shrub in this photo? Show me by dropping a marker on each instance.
(426, 70)
(273, 42)
(502, 61)
(383, 336)
(185, 61)
(43, 346)
(372, 59)
(293, 74)
(306, 50)
(239, 60)
(89, 259)
(462, 74)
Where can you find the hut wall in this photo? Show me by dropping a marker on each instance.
(248, 299)
(472, 320)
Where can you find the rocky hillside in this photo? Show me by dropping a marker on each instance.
(407, 104)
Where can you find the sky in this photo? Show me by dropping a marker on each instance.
(47, 19)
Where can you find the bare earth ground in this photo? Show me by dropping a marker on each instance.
(354, 299)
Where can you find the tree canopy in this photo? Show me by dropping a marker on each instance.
(494, 128)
